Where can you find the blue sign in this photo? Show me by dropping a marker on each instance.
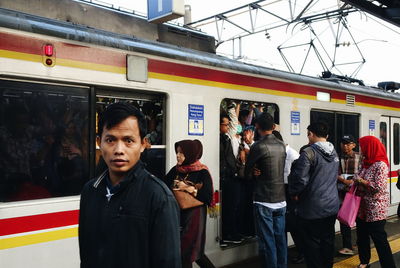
(371, 124)
(196, 120)
(295, 122)
(164, 10)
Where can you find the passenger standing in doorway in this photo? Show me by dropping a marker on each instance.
(191, 176)
(267, 160)
(128, 218)
(312, 184)
(348, 167)
(372, 186)
(229, 184)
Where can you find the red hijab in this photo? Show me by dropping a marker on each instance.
(373, 151)
(193, 150)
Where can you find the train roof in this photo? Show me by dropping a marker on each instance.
(54, 28)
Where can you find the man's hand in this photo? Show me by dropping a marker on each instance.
(256, 172)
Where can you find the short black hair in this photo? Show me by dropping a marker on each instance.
(320, 129)
(265, 121)
(278, 135)
(117, 112)
(222, 116)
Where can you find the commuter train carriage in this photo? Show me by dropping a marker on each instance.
(56, 77)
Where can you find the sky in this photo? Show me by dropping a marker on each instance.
(378, 41)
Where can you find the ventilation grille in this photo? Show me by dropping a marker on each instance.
(350, 100)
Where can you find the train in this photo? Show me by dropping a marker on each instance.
(56, 77)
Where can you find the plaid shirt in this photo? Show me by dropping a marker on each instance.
(350, 164)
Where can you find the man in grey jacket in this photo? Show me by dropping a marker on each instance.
(312, 184)
(267, 158)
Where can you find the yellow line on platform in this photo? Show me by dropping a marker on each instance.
(354, 260)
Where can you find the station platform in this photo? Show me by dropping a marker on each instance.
(341, 261)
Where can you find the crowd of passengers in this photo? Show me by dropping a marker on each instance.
(300, 193)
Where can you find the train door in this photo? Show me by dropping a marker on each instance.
(153, 107)
(339, 124)
(394, 158)
(389, 134)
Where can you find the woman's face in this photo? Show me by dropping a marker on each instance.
(180, 157)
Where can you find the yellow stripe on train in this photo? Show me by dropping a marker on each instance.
(25, 240)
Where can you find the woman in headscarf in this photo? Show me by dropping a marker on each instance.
(192, 176)
(372, 186)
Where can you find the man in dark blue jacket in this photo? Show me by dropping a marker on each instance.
(128, 218)
(312, 184)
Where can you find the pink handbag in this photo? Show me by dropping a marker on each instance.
(349, 210)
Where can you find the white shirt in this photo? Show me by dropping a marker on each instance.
(291, 155)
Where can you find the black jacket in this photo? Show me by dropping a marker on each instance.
(268, 155)
(137, 227)
(227, 160)
(313, 179)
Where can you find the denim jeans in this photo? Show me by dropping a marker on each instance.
(270, 230)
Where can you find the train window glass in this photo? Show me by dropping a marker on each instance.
(396, 143)
(383, 134)
(237, 193)
(339, 124)
(153, 108)
(44, 140)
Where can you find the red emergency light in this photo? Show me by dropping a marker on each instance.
(48, 50)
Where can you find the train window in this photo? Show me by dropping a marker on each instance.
(152, 105)
(237, 118)
(396, 145)
(339, 124)
(44, 140)
(383, 134)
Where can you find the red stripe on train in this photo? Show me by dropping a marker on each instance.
(25, 44)
(38, 222)
(393, 174)
(195, 72)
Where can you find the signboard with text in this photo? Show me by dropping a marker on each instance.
(159, 11)
(295, 123)
(196, 120)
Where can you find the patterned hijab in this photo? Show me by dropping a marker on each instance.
(373, 151)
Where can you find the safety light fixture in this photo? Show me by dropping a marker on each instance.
(48, 50)
(48, 56)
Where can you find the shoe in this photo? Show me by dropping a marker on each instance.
(233, 240)
(222, 244)
(346, 251)
(297, 260)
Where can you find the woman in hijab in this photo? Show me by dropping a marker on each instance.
(372, 186)
(192, 176)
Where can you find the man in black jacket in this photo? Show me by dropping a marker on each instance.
(312, 184)
(267, 158)
(229, 185)
(128, 218)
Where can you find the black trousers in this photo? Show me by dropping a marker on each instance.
(346, 236)
(318, 238)
(375, 230)
(230, 207)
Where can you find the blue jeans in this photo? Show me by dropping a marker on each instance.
(270, 230)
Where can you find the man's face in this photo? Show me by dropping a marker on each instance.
(311, 137)
(224, 125)
(347, 148)
(121, 147)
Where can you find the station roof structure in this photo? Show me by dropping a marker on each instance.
(388, 10)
